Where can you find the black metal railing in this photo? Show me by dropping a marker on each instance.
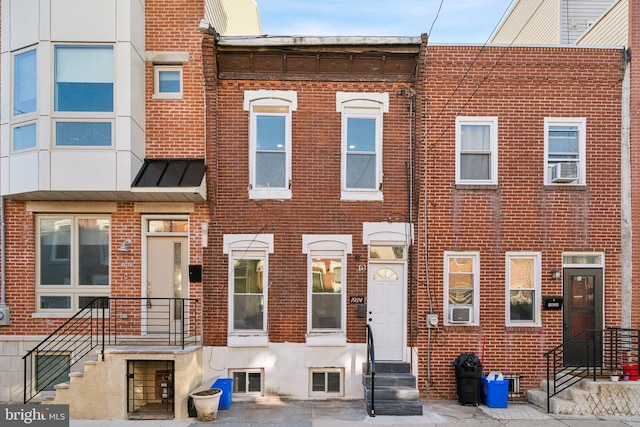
(109, 322)
(371, 369)
(590, 354)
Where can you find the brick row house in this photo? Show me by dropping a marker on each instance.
(318, 186)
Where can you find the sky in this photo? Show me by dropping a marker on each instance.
(458, 21)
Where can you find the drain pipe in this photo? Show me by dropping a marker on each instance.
(4, 310)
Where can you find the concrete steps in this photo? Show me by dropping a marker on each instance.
(601, 397)
(395, 390)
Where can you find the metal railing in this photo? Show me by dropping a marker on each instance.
(109, 322)
(371, 369)
(599, 352)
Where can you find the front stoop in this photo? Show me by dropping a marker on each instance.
(588, 397)
(395, 390)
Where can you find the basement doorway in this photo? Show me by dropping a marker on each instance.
(150, 385)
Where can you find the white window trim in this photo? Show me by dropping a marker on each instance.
(19, 125)
(157, 68)
(27, 116)
(492, 122)
(537, 288)
(270, 98)
(241, 394)
(259, 246)
(73, 290)
(581, 123)
(362, 104)
(332, 245)
(476, 287)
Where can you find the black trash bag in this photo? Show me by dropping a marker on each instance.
(467, 360)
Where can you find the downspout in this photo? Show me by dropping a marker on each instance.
(4, 310)
(626, 268)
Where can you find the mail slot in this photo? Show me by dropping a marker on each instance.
(552, 303)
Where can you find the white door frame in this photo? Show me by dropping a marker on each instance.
(391, 234)
(145, 253)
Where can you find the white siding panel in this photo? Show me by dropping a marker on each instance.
(75, 170)
(575, 16)
(23, 171)
(530, 22)
(25, 23)
(233, 17)
(95, 20)
(610, 29)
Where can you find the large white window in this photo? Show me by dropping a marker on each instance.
(270, 115)
(248, 287)
(476, 150)
(362, 126)
(462, 288)
(84, 96)
(565, 151)
(73, 261)
(326, 282)
(523, 288)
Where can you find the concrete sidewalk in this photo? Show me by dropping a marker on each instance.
(340, 413)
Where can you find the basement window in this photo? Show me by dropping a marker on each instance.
(326, 382)
(247, 382)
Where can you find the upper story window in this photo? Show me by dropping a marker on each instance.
(84, 96)
(361, 144)
(167, 82)
(565, 151)
(462, 284)
(73, 261)
(270, 115)
(24, 82)
(326, 278)
(476, 150)
(523, 289)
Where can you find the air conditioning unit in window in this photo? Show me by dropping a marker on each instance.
(460, 313)
(564, 172)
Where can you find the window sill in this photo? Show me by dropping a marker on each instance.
(56, 315)
(166, 96)
(272, 194)
(247, 341)
(565, 187)
(521, 327)
(484, 187)
(316, 339)
(362, 196)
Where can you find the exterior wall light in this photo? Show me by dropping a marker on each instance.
(555, 273)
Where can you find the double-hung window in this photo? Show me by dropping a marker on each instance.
(523, 289)
(84, 96)
(73, 261)
(248, 286)
(361, 136)
(477, 150)
(270, 116)
(326, 282)
(462, 284)
(565, 151)
(24, 100)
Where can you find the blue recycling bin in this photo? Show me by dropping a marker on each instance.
(226, 385)
(495, 392)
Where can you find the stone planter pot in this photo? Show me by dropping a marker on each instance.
(206, 403)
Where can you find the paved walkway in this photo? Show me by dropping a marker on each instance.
(340, 413)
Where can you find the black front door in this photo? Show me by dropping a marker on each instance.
(582, 310)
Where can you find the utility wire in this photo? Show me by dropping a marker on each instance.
(486, 77)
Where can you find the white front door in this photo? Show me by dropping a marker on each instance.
(386, 310)
(167, 277)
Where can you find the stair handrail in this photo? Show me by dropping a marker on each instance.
(98, 324)
(616, 345)
(371, 368)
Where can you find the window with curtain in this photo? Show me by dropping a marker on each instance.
(476, 150)
(462, 287)
(523, 288)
